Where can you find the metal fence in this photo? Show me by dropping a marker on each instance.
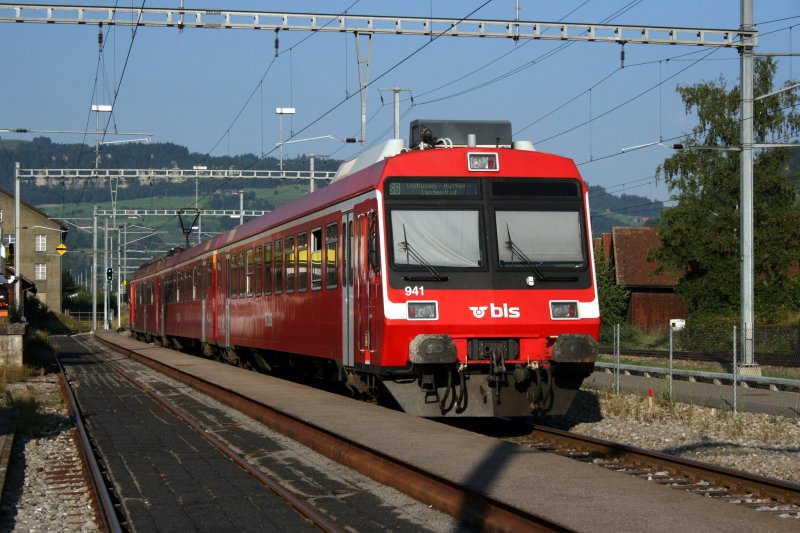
(721, 344)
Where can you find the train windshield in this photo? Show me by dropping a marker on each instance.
(444, 238)
(539, 238)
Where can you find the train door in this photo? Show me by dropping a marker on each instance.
(348, 302)
(365, 257)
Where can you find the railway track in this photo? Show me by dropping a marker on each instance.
(760, 493)
(473, 509)
(74, 477)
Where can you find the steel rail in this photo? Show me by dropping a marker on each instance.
(781, 491)
(105, 507)
(473, 509)
(318, 517)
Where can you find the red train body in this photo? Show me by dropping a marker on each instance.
(459, 279)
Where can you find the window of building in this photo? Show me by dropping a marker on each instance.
(40, 243)
(40, 272)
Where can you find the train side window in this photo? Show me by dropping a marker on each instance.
(302, 262)
(316, 259)
(331, 246)
(278, 266)
(291, 273)
(258, 275)
(233, 277)
(195, 283)
(219, 272)
(251, 266)
(242, 275)
(268, 268)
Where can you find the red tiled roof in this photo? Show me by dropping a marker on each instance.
(631, 248)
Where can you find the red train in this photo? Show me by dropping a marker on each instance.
(456, 276)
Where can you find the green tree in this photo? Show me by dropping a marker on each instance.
(613, 298)
(700, 234)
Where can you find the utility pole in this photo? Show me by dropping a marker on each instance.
(396, 91)
(94, 270)
(17, 250)
(105, 269)
(746, 186)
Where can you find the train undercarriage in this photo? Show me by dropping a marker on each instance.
(491, 387)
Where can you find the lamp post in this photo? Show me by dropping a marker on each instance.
(280, 111)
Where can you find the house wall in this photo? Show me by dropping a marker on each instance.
(34, 223)
(652, 310)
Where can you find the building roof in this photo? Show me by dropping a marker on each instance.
(64, 227)
(631, 248)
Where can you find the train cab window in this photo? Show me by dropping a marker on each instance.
(278, 266)
(316, 259)
(233, 277)
(291, 274)
(544, 238)
(242, 275)
(251, 267)
(302, 262)
(331, 245)
(258, 275)
(268, 268)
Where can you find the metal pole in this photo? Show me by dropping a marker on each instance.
(241, 207)
(670, 362)
(735, 371)
(94, 271)
(119, 277)
(397, 112)
(311, 168)
(616, 357)
(17, 249)
(746, 186)
(105, 269)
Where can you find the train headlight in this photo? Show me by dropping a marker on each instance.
(422, 311)
(483, 162)
(563, 310)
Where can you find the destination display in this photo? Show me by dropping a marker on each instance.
(433, 188)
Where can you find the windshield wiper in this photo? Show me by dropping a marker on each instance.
(411, 252)
(511, 245)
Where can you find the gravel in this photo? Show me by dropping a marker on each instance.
(762, 444)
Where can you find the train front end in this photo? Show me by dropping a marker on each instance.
(489, 301)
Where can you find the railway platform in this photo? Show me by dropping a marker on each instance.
(574, 495)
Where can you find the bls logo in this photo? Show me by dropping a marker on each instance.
(495, 311)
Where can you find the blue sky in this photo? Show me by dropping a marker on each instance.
(187, 87)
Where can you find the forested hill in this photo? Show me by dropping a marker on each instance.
(42, 153)
(608, 210)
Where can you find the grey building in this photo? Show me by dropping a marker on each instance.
(40, 235)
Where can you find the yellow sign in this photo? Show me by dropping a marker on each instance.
(61, 249)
